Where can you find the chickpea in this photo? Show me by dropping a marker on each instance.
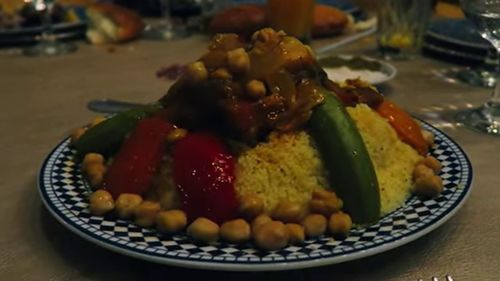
(203, 229)
(287, 211)
(77, 133)
(255, 89)
(101, 202)
(271, 236)
(251, 205)
(92, 158)
(126, 203)
(176, 135)
(323, 194)
(325, 207)
(196, 72)
(235, 231)
(171, 221)
(421, 171)
(339, 224)
(259, 221)
(428, 137)
(314, 225)
(265, 34)
(145, 213)
(221, 73)
(238, 60)
(97, 120)
(95, 174)
(94, 169)
(296, 233)
(429, 186)
(432, 163)
(325, 202)
(96, 179)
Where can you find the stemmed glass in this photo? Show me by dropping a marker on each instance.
(486, 16)
(166, 30)
(48, 45)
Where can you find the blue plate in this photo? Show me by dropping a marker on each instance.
(64, 192)
(30, 35)
(457, 40)
(459, 32)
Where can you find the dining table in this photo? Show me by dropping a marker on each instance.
(43, 99)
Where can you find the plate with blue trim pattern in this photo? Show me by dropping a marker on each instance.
(64, 192)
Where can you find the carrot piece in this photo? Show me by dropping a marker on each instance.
(406, 127)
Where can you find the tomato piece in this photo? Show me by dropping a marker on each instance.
(405, 126)
(204, 175)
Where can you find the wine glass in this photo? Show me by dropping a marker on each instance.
(48, 45)
(486, 16)
(483, 75)
(166, 30)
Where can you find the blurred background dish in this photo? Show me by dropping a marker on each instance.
(329, 18)
(342, 67)
(21, 21)
(455, 40)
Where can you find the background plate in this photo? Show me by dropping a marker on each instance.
(455, 40)
(387, 72)
(64, 193)
(27, 36)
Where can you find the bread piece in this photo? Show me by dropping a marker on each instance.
(109, 23)
(242, 20)
(328, 21)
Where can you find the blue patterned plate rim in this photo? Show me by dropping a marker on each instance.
(74, 214)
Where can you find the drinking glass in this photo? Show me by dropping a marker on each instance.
(486, 16)
(292, 16)
(48, 45)
(401, 25)
(166, 30)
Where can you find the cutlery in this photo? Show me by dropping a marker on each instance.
(111, 106)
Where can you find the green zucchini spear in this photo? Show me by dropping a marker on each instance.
(107, 136)
(346, 159)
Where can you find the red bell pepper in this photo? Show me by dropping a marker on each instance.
(136, 162)
(204, 175)
(405, 126)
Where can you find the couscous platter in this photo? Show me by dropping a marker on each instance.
(64, 193)
(254, 160)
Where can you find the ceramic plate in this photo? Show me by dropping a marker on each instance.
(456, 40)
(64, 193)
(387, 72)
(30, 35)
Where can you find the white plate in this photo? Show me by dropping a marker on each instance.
(339, 74)
(64, 193)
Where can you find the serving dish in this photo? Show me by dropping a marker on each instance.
(385, 73)
(64, 192)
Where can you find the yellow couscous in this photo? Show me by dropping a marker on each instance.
(288, 167)
(393, 159)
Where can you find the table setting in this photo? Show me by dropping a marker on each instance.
(347, 140)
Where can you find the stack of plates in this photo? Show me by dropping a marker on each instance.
(455, 40)
(30, 35)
